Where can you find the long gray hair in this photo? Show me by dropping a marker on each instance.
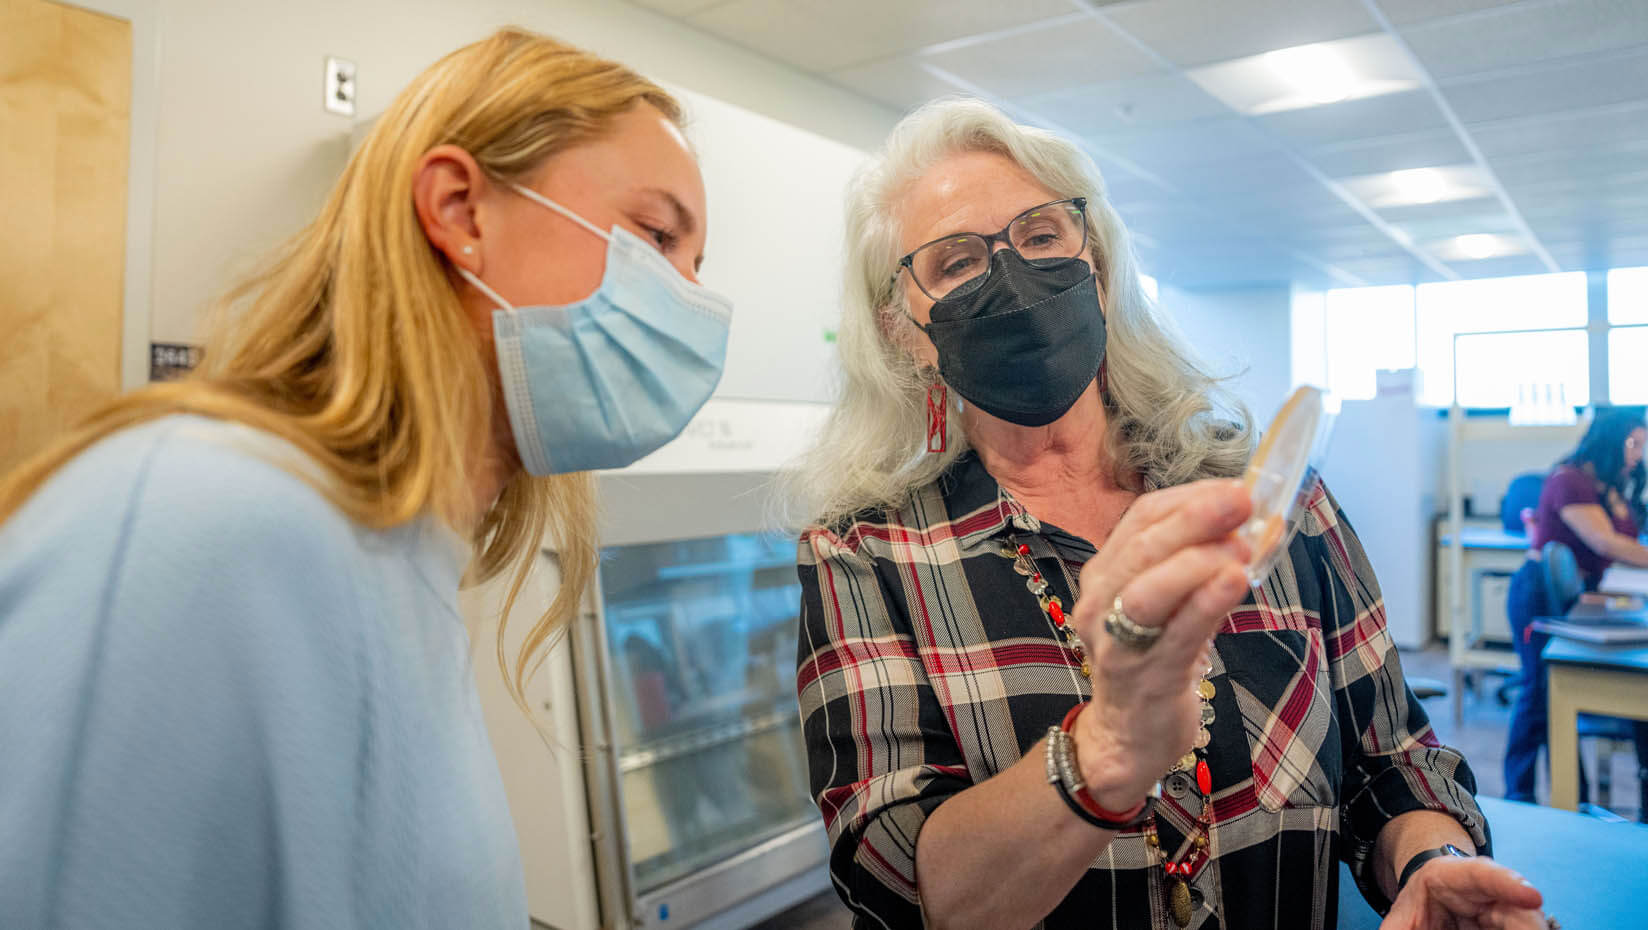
(1169, 420)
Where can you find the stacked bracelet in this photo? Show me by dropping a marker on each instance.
(1065, 777)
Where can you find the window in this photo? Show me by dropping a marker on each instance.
(1517, 369)
(1341, 338)
(1366, 329)
(1627, 364)
(1628, 296)
(1628, 345)
(1493, 369)
(1308, 327)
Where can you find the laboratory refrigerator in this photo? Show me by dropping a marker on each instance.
(686, 787)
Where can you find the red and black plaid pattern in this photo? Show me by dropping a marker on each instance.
(925, 667)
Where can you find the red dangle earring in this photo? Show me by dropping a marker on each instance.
(1104, 382)
(938, 406)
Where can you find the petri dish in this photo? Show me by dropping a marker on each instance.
(1280, 476)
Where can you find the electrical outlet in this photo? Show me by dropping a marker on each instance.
(340, 86)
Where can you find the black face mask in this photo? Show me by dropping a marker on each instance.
(1026, 343)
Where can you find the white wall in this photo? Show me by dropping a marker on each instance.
(1244, 333)
(245, 153)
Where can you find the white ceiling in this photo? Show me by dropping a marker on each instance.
(1544, 103)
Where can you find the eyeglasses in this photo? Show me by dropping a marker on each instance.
(957, 265)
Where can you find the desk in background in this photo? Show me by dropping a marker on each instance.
(1491, 556)
(1590, 872)
(1611, 680)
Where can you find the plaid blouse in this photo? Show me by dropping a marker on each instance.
(925, 667)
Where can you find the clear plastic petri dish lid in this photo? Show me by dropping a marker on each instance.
(1280, 477)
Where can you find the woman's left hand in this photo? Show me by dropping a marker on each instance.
(1467, 894)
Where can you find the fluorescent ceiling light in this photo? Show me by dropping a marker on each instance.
(1420, 185)
(1310, 75)
(1412, 186)
(1478, 246)
(1316, 72)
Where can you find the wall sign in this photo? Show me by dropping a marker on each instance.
(169, 361)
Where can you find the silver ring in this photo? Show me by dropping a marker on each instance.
(1125, 631)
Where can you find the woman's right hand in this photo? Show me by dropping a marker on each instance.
(1178, 567)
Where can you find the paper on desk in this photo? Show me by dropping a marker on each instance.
(1590, 633)
(1624, 579)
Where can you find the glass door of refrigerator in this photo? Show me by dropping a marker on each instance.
(701, 646)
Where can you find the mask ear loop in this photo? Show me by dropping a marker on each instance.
(480, 285)
(540, 199)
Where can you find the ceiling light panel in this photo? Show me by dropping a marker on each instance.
(1477, 246)
(1310, 75)
(1409, 186)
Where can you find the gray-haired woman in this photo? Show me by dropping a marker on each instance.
(1022, 513)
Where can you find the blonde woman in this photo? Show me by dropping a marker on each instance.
(1036, 687)
(234, 686)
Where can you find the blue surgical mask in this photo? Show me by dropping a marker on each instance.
(604, 381)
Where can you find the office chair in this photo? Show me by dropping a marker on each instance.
(1563, 586)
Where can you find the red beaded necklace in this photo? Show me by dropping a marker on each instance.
(1183, 868)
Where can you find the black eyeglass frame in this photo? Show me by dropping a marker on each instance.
(990, 240)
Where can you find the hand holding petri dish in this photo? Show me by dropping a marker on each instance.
(1281, 474)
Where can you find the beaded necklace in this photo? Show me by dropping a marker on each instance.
(1185, 866)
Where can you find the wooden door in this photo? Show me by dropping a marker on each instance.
(65, 131)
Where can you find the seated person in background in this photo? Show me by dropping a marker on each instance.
(1592, 504)
(1060, 548)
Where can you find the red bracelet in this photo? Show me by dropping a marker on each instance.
(1084, 797)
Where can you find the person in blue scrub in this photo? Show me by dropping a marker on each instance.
(234, 685)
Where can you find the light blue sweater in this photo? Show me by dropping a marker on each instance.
(223, 704)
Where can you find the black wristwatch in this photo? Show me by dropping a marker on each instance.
(1424, 857)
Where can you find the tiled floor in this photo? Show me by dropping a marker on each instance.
(1481, 737)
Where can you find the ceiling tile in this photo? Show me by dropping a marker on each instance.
(1463, 214)
(679, 8)
(898, 82)
(1588, 81)
(1371, 156)
(1579, 131)
(1617, 187)
(1183, 143)
(1507, 266)
(827, 35)
(1397, 269)
(1381, 249)
(1195, 32)
(1405, 12)
(1118, 106)
(1489, 217)
(1034, 61)
(1353, 120)
(1250, 175)
(1518, 34)
(1627, 161)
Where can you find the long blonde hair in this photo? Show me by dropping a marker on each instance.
(1169, 420)
(351, 342)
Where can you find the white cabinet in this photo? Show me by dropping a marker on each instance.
(1382, 465)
